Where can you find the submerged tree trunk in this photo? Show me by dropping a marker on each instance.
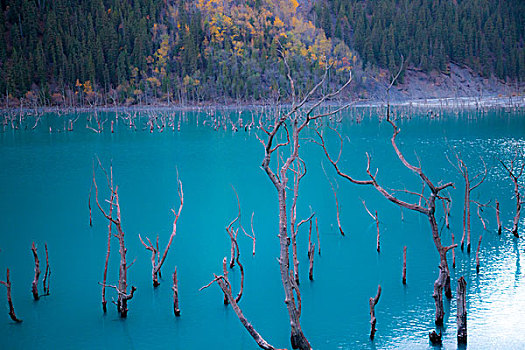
(461, 317)
(175, 287)
(498, 218)
(7, 284)
(404, 265)
(373, 302)
(47, 273)
(34, 287)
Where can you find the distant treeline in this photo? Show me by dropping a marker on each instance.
(71, 52)
(486, 35)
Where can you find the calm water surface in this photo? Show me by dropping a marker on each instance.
(45, 182)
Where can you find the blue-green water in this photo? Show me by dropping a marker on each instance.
(45, 182)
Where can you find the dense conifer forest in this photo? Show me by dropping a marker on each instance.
(94, 52)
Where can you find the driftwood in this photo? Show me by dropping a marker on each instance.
(123, 297)
(373, 302)
(453, 253)
(7, 284)
(156, 260)
(34, 287)
(226, 288)
(461, 317)
(515, 171)
(175, 288)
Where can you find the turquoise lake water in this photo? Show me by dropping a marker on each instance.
(45, 181)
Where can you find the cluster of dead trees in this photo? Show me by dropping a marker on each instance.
(113, 216)
(281, 138)
(34, 284)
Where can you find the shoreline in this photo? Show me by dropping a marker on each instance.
(441, 103)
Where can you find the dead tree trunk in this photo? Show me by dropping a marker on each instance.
(104, 278)
(123, 297)
(497, 217)
(156, 264)
(478, 180)
(311, 253)
(461, 317)
(225, 285)
(405, 265)
(477, 254)
(7, 284)
(47, 273)
(373, 320)
(298, 119)
(376, 219)
(515, 171)
(453, 253)
(34, 287)
(336, 201)
(175, 288)
(443, 281)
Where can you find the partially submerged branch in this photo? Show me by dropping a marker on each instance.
(225, 286)
(7, 284)
(34, 287)
(373, 302)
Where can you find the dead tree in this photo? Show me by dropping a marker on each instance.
(453, 253)
(7, 284)
(497, 217)
(34, 287)
(404, 265)
(225, 285)
(470, 185)
(443, 280)
(376, 219)
(47, 273)
(311, 253)
(515, 171)
(297, 117)
(175, 288)
(461, 317)
(477, 254)
(429, 209)
(235, 252)
(336, 200)
(156, 264)
(373, 302)
(123, 297)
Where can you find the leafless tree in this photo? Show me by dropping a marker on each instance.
(47, 273)
(428, 209)
(123, 296)
(404, 277)
(34, 287)
(515, 171)
(375, 217)
(297, 117)
(470, 185)
(156, 264)
(175, 288)
(373, 302)
(7, 284)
